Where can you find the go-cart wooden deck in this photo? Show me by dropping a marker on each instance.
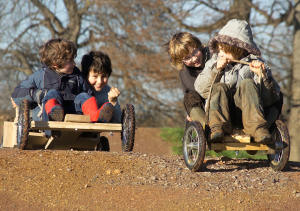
(75, 126)
(71, 129)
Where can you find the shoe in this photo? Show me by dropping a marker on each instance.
(263, 136)
(216, 134)
(54, 110)
(56, 113)
(103, 114)
(106, 112)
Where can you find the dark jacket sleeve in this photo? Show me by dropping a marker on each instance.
(30, 89)
(183, 85)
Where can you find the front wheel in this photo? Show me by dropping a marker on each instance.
(128, 128)
(194, 145)
(23, 125)
(280, 136)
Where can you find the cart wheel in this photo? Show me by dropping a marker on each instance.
(128, 128)
(281, 136)
(23, 125)
(103, 144)
(194, 146)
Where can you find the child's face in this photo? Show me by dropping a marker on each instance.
(195, 59)
(225, 55)
(97, 80)
(68, 68)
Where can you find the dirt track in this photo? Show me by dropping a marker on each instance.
(150, 178)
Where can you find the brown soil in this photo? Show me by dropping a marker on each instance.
(150, 178)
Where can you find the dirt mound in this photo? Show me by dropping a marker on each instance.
(150, 179)
(147, 140)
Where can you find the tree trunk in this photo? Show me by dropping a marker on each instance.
(294, 126)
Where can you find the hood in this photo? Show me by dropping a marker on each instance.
(237, 33)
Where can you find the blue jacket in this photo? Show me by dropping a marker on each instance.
(35, 87)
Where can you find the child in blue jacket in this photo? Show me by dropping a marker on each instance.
(96, 69)
(53, 90)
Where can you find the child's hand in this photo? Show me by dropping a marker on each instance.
(113, 95)
(188, 118)
(222, 63)
(13, 103)
(258, 68)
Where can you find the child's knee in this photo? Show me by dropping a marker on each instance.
(247, 83)
(217, 87)
(80, 98)
(52, 94)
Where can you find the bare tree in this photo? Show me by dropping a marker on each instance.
(132, 32)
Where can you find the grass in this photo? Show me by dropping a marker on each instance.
(174, 136)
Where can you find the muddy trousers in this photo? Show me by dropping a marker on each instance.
(194, 106)
(246, 98)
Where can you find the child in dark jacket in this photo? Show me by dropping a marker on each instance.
(96, 69)
(188, 55)
(57, 85)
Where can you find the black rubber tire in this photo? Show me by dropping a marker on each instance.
(103, 144)
(128, 128)
(194, 154)
(279, 160)
(23, 125)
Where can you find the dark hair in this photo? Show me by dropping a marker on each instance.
(97, 62)
(56, 52)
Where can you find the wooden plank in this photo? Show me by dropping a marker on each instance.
(50, 140)
(238, 146)
(69, 126)
(41, 134)
(9, 134)
(236, 138)
(77, 118)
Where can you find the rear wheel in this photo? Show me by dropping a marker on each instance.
(128, 128)
(194, 145)
(23, 125)
(103, 144)
(281, 137)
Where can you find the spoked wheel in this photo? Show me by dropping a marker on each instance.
(128, 128)
(194, 145)
(281, 137)
(103, 144)
(23, 125)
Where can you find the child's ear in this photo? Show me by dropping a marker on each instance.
(185, 62)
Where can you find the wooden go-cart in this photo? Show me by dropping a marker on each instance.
(196, 142)
(75, 132)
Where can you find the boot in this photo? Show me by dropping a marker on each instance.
(54, 110)
(262, 135)
(104, 114)
(216, 134)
